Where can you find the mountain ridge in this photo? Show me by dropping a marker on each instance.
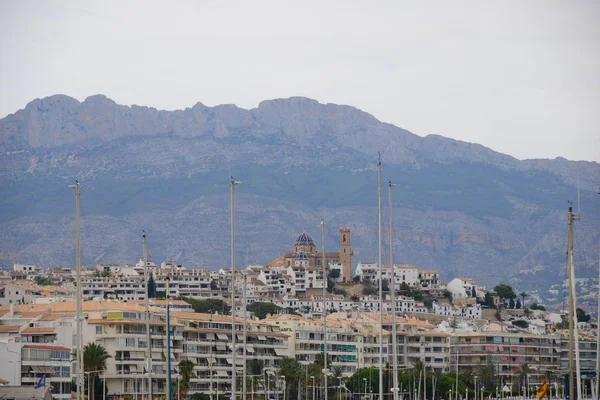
(459, 205)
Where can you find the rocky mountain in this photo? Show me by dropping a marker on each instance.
(459, 207)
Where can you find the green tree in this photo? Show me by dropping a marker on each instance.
(505, 291)
(536, 306)
(151, 287)
(511, 303)
(320, 359)
(417, 295)
(292, 370)
(94, 361)
(448, 295)
(385, 285)
(334, 274)
(369, 376)
(42, 281)
(518, 305)
(186, 370)
(405, 289)
(523, 295)
(105, 274)
(254, 369)
(582, 316)
(330, 285)
(521, 375)
(261, 309)
(487, 375)
(521, 323)
(489, 300)
(356, 279)
(473, 292)
(207, 306)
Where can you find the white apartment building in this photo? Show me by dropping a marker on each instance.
(119, 286)
(38, 339)
(403, 304)
(404, 273)
(462, 288)
(184, 282)
(24, 268)
(350, 345)
(472, 311)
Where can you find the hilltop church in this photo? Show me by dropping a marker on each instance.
(305, 252)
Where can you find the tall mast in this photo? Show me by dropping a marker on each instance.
(324, 309)
(147, 311)
(379, 261)
(78, 293)
(393, 293)
(573, 339)
(244, 380)
(232, 184)
(168, 323)
(598, 336)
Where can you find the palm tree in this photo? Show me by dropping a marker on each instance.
(522, 372)
(337, 376)
(254, 368)
(94, 361)
(186, 370)
(291, 369)
(487, 375)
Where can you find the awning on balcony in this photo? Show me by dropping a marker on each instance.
(281, 352)
(261, 337)
(222, 336)
(249, 349)
(40, 369)
(222, 373)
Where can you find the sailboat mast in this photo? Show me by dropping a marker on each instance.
(168, 344)
(78, 294)
(324, 309)
(232, 184)
(573, 339)
(379, 261)
(598, 335)
(244, 338)
(147, 312)
(393, 294)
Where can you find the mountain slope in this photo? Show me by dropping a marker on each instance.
(460, 207)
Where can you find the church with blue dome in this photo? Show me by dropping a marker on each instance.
(305, 254)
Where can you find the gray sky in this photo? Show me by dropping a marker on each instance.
(521, 77)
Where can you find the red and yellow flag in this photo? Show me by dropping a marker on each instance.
(542, 390)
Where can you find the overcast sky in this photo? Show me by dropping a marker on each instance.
(521, 77)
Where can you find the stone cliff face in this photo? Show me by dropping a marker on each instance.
(459, 207)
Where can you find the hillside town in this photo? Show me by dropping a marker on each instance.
(453, 327)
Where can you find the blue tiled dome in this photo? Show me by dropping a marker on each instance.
(301, 256)
(304, 239)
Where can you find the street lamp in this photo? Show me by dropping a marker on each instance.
(284, 385)
(475, 387)
(339, 387)
(365, 380)
(90, 386)
(313, 387)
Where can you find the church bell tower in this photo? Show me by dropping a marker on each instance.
(346, 254)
